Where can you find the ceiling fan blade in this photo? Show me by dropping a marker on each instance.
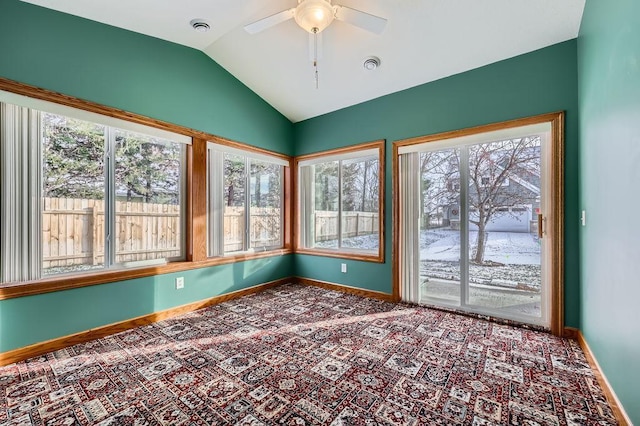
(269, 21)
(366, 21)
(315, 46)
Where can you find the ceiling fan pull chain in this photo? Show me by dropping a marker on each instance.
(315, 54)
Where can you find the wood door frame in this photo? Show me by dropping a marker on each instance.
(555, 218)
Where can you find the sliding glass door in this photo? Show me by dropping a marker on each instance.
(473, 213)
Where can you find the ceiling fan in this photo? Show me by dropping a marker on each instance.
(314, 16)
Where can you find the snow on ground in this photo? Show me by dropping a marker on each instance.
(361, 242)
(516, 258)
(512, 283)
(512, 248)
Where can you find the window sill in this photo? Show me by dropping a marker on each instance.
(343, 254)
(67, 282)
(243, 256)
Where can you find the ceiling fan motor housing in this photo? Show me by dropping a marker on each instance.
(314, 15)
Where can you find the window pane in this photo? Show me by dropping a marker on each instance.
(325, 214)
(440, 226)
(360, 185)
(148, 189)
(73, 195)
(234, 202)
(504, 194)
(266, 204)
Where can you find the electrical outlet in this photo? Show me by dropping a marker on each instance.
(179, 283)
(343, 268)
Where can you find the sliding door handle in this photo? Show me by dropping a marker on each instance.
(540, 225)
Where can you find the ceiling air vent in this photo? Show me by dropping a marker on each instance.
(371, 63)
(200, 25)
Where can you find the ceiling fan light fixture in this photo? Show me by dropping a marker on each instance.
(314, 15)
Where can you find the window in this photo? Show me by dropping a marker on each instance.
(85, 192)
(149, 185)
(246, 200)
(340, 202)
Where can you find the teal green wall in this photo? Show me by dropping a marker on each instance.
(32, 319)
(134, 72)
(536, 83)
(609, 106)
(154, 78)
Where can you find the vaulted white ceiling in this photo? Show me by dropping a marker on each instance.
(424, 40)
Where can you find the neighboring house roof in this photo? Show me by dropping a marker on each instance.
(531, 187)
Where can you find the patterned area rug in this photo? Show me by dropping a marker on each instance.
(302, 355)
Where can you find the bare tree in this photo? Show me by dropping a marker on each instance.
(439, 183)
(502, 174)
(360, 185)
(493, 169)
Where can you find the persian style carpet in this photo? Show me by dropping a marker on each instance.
(297, 355)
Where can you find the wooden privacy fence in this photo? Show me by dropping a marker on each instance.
(264, 228)
(353, 225)
(74, 232)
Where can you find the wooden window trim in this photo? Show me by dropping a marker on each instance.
(197, 202)
(337, 253)
(555, 222)
(248, 148)
(195, 199)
